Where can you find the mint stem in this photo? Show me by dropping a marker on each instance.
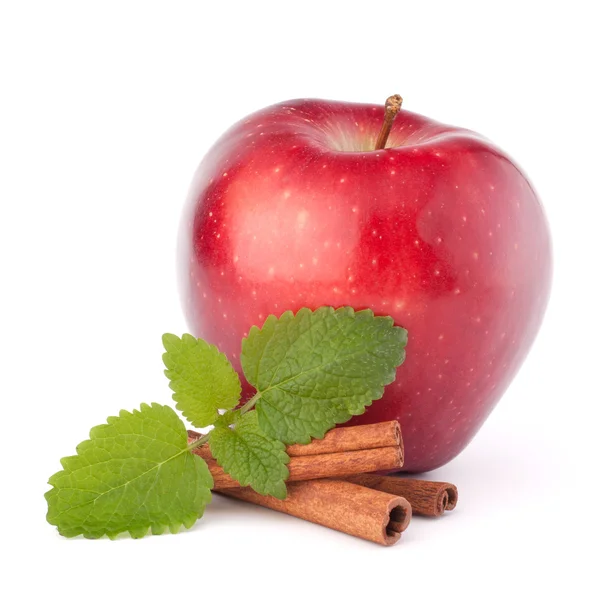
(243, 409)
(199, 442)
(249, 404)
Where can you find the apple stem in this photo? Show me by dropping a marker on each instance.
(392, 106)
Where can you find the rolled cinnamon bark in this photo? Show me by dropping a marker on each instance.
(359, 511)
(425, 497)
(358, 437)
(339, 439)
(320, 466)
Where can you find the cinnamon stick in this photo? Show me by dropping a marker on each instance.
(362, 512)
(425, 497)
(357, 437)
(321, 466)
(339, 439)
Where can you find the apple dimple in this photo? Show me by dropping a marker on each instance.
(441, 231)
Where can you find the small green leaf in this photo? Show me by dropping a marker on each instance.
(134, 473)
(317, 368)
(251, 457)
(203, 379)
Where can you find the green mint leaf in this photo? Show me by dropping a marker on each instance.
(135, 472)
(202, 378)
(251, 457)
(317, 368)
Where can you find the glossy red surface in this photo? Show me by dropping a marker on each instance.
(441, 231)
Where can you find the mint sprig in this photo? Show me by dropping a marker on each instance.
(312, 370)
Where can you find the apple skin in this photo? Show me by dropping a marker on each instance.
(293, 208)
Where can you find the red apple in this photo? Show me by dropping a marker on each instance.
(294, 208)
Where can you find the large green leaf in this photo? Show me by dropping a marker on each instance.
(134, 473)
(317, 368)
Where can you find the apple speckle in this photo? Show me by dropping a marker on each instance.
(342, 180)
(457, 291)
(301, 219)
(475, 255)
(210, 213)
(224, 174)
(441, 336)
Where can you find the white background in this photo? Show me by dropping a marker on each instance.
(105, 111)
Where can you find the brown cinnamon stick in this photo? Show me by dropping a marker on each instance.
(425, 497)
(358, 437)
(339, 439)
(340, 505)
(321, 466)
